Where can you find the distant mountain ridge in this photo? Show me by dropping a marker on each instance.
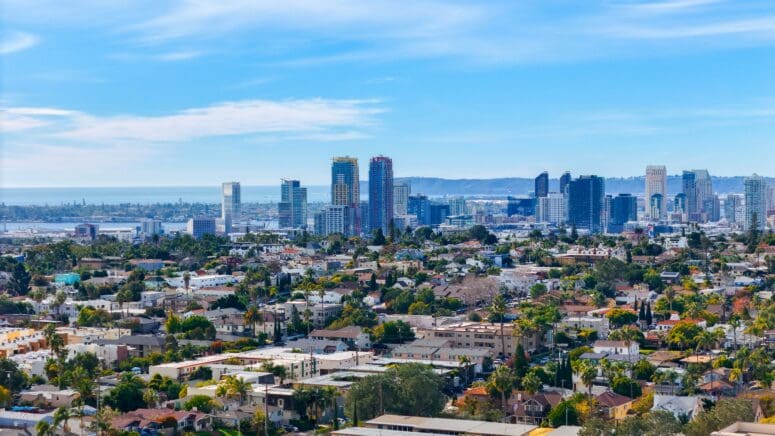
(520, 186)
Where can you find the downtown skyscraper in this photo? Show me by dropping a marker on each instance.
(346, 191)
(292, 208)
(542, 185)
(656, 184)
(380, 193)
(586, 198)
(755, 202)
(231, 205)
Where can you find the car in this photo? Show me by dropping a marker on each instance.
(291, 428)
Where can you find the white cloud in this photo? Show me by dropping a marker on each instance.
(13, 42)
(319, 118)
(179, 56)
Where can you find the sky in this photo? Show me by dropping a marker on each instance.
(196, 92)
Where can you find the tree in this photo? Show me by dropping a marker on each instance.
(252, 317)
(564, 413)
(43, 428)
(233, 386)
(537, 290)
(393, 332)
(202, 403)
(12, 377)
(531, 383)
(521, 364)
(379, 237)
(587, 373)
(501, 382)
(128, 393)
(407, 389)
(621, 317)
(20, 279)
(724, 413)
(626, 386)
(61, 416)
(329, 396)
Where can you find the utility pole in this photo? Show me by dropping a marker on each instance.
(266, 410)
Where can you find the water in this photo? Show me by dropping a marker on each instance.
(146, 195)
(69, 226)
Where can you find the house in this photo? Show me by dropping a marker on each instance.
(680, 407)
(137, 345)
(142, 420)
(741, 428)
(617, 347)
(48, 396)
(613, 405)
(532, 409)
(352, 336)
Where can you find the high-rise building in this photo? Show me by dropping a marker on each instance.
(624, 208)
(586, 196)
(656, 206)
(656, 183)
(345, 190)
(401, 193)
(542, 185)
(332, 219)
(712, 208)
(231, 205)
(520, 206)
(380, 193)
(689, 184)
(457, 206)
(200, 226)
(551, 209)
(365, 218)
(755, 202)
(420, 206)
(733, 208)
(151, 227)
(292, 208)
(87, 231)
(439, 213)
(704, 193)
(564, 180)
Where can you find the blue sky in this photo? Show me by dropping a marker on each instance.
(133, 93)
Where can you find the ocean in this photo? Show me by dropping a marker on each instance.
(146, 195)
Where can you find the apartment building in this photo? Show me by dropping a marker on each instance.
(483, 335)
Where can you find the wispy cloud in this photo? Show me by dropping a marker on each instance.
(179, 55)
(332, 119)
(12, 42)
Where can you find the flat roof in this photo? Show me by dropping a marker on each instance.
(443, 425)
(365, 431)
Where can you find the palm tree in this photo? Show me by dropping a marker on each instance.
(587, 373)
(233, 386)
(251, 317)
(43, 428)
(705, 341)
(151, 398)
(330, 394)
(102, 420)
(464, 361)
(670, 295)
(502, 381)
(736, 376)
(628, 334)
(524, 327)
(186, 280)
(61, 416)
(498, 311)
(735, 323)
(531, 383)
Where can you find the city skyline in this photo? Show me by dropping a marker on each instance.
(478, 90)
